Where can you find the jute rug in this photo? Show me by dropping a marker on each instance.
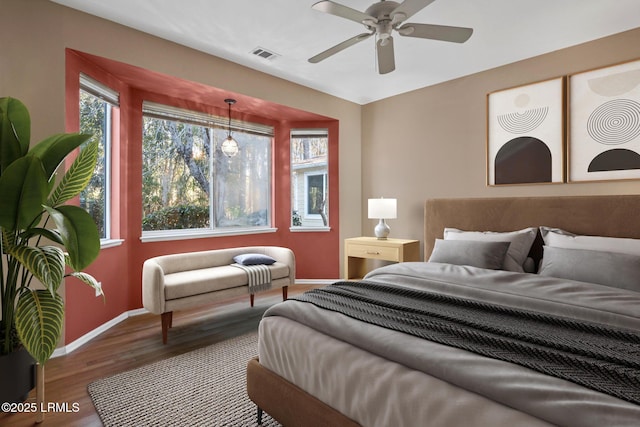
(205, 387)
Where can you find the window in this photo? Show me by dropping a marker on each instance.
(97, 106)
(315, 194)
(309, 178)
(190, 187)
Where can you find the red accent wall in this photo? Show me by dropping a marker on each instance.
(120, 268)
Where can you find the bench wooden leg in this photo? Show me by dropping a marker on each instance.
(284, 295)
(167, 321)
(259, 416)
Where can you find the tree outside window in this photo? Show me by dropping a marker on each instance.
(189, 184)
(95, 118)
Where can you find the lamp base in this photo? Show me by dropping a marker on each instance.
(382, 230)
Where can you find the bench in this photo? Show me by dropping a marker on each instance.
(185, 280)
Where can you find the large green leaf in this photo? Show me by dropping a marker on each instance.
(8, 240)
(77, 177)
(79, 234)
(23, 191)
(52, 235)
(15, 131)
(46, 263)
(53, 150)
(39, 318)
(89, 280)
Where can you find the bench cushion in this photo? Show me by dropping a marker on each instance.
(201, 281)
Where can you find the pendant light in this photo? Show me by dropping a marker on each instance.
(229, 146)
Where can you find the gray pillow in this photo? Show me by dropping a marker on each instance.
(253, 259)
(521, 241)
(605, 268)
(470, 252)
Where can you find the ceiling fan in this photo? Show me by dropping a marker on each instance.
(381, 19)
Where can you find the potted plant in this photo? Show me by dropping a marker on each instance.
(43, 240)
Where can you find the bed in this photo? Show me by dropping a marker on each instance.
(325, 360)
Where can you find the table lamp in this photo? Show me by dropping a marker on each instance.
(382, 209)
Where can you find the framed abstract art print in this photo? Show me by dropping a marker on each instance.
(604, 123)
(525, 134)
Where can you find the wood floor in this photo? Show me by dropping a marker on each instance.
(136, 342)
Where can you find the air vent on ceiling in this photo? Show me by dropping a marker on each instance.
(264, 53)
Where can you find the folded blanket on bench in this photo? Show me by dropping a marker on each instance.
(259, 277)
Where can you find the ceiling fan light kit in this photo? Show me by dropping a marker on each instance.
(381, 19)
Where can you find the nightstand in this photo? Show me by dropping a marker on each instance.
(358, 250)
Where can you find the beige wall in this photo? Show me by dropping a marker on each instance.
(425, 143)
(34, 36)
(431, 142)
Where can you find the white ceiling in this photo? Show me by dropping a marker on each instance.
(505, 31)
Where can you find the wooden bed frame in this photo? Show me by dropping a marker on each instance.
(288, 403)
(614, 216)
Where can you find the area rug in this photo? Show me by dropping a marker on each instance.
(205, 387)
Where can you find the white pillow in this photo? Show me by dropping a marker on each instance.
(558, 238)
(519, 248)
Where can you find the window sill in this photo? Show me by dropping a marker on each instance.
(110, 243)
(309, 229)
(162, 236)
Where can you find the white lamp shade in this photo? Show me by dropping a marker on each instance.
(382, 208)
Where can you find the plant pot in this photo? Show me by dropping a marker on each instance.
(17, 371)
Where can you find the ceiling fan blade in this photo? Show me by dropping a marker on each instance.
(339, 47)
(408, 8)
(386, 57)
(436, 32)
(342, 11)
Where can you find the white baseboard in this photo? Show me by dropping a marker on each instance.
(61, 351)
(315, 281)
(137, 312)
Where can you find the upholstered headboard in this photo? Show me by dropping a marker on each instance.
(614, 216)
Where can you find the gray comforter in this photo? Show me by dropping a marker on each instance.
(554, 400)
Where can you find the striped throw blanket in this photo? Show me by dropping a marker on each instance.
(259, 277)
(596, 356)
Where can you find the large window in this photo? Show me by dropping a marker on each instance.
(97, 106)
(190, 186)
(309, 178)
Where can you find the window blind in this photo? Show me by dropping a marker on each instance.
(309, 133)
(167, 112)
(99, 90)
